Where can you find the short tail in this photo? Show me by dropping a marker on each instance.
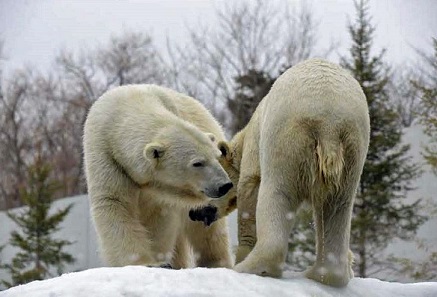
(330, 162)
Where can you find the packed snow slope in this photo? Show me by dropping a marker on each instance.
(136, 281)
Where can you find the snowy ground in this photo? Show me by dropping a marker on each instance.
(135, 281)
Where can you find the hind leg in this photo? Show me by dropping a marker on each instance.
(333, 223)
(248, 189)
(274, 219)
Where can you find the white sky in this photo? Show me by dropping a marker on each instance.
(35, 30)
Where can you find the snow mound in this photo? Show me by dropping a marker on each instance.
(136, 281)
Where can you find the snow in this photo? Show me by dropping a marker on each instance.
(133, 281)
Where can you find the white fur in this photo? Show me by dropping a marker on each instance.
(306, 142)
(140, 144)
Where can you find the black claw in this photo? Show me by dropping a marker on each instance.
(166, 266)
(207, 214)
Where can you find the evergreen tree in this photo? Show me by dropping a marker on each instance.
(302, 242)
(428, 117)
(425, 270)
(251, 89)
(427, 88)
(381, 212)
(40, 254)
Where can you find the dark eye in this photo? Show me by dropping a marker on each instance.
(198, 164)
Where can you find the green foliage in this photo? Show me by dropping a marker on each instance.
(427, 89)
(425, 270)
(39, 253)
(301, 243)
(251, 89)
(381, 212)
(428, 115)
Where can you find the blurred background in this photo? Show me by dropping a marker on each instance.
(58, 57)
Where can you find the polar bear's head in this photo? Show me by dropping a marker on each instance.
(187, 159)
(220, 208)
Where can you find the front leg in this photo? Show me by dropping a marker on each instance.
(274, 222)
(210, 244)
(122, 239)
(182, 252)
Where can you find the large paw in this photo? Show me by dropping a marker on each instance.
(261, 268)
(207, 214)
(331, 276)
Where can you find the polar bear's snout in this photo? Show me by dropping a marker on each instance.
(215, 181)
(217, 192)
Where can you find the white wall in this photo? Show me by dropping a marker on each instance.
(76, 227)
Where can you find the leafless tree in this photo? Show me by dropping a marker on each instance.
(15, 144)
(405, 96)
(250, 36)
(126, 59)
(131, 59)
(3, 200)
(44, 114)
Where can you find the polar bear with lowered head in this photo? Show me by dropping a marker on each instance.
(151, 154)
(306, 143)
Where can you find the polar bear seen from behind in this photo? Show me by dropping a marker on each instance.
(306, 143)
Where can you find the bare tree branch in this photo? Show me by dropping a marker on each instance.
(249, 36)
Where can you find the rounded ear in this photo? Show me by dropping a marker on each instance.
(224, 148)
(153, 150)
(211, 136)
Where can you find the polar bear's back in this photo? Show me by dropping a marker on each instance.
(123, 102)
(315, 103)
(121, 106)
(319, 89)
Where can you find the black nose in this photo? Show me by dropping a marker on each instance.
(225, 188)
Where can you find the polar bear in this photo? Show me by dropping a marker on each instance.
(306, 143)
(151, 154)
